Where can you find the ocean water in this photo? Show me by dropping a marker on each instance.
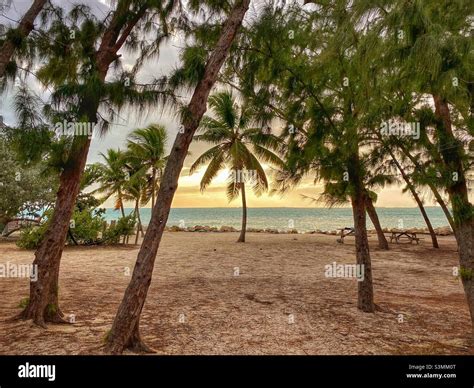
(301, 219)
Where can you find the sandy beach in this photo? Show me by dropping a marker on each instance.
(210, 295)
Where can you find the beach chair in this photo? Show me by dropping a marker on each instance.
(344, 232)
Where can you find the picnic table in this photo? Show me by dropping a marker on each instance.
(397, 235)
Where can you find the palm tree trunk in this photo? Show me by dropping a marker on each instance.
(244, 214)
(138, 222)
(462, 208)
(24, 28)
(411, 187)
(122, 210)
(383, 243)
(125, 329)
(153, 183)
(120, 198)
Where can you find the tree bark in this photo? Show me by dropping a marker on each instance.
(383, 243)
(125, 328)
(43, 303)
(244, 214)
(365, 300)
(139, 221)
(153, 183)
(122, 210)
(434, 239)
(24, 28)
(452, 154)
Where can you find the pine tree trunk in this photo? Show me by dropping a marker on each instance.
(25, 26)
(244, 213)
(445, 209)
(434, 239)
(457, 189)
(125, 328)
(365, 301)
(43, 303)
(435, 192)
(383, 243)
(411, 187)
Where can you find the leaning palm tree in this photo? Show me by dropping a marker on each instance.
(147, 145)
(114, 177)
(237, 146)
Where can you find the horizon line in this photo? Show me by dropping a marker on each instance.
(277, 207)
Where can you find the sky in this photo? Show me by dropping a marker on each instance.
(188, 193)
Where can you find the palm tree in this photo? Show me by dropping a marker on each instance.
(113, 177)
(135, 189)
(237, 146)
(147, 145)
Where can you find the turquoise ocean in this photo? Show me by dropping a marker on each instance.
(301, 219)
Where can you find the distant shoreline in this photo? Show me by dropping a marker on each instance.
(287, 219)
(278, 207)
(441, 231)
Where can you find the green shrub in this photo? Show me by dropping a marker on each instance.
(87, 225)
(31, 237)
(466, 273)
(85, 229)
(124, 227)
(24, 303)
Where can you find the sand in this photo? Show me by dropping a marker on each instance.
(210, 295)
